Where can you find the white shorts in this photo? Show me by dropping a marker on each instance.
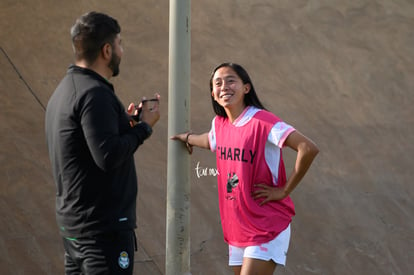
(275, 250)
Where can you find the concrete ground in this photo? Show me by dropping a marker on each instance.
(339, 71)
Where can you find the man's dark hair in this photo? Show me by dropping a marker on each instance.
(250, 99)
(90, 33)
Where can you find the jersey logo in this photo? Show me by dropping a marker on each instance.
(232, 182)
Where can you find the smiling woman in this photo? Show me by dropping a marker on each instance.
(236, 73)
(229, 91)
(255, 207)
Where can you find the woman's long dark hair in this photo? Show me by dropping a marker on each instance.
(250, 99)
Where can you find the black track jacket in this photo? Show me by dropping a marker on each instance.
(91, 146)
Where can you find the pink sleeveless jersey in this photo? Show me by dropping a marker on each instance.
(240, 155)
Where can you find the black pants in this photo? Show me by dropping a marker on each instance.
(108, 253)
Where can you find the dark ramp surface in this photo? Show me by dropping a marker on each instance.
(341, 72)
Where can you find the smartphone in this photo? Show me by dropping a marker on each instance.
(137, 117)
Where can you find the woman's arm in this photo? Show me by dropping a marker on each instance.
(193, 140)
(306, 152)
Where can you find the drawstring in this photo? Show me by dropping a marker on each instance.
(135, 241)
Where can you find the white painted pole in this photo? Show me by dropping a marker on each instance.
(177, 260)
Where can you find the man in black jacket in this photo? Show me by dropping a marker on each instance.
(91, 141)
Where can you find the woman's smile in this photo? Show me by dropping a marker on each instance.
(226, 95)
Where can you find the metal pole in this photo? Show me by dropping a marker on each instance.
(177, 260)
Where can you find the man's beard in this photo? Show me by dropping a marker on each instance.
(114, 64)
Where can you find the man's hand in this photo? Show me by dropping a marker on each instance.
(147, 110)
(151, 111)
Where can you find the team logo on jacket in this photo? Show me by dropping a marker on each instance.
(123, 260)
